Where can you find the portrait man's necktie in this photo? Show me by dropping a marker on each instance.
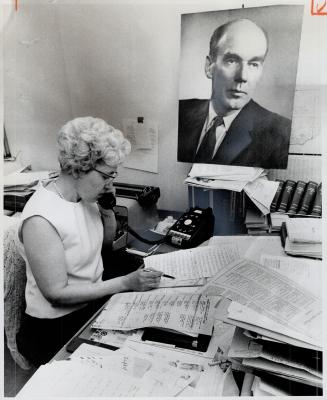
(208, 143)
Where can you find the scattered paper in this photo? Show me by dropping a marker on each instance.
(283, 369)
(270, 245)
(225, 172)
(262, 192)
(17, 181)
(170, 283)
(75, 379)
(252, 180)
(194, 263)
(299, 270)
(271, 295)
(242, 242)
(112, 338)
(236, 186)
(187, 313)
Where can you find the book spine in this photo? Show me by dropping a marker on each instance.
(274, 204)
(286, 195)
(308, 197)
(283, 233)
(297, 197)
(317, 209)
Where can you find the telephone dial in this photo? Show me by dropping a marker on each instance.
(190, 230)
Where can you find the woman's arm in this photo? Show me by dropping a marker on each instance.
(45, 254)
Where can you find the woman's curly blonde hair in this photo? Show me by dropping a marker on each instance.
(86, 142)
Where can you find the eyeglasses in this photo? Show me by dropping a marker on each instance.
(110, 176)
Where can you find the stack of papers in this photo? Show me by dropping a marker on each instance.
(279, 320)
(252, 180)
(222, 177)
(276, 358)
(263, 298)
(304, 237)
(19, 187)
(22, 181)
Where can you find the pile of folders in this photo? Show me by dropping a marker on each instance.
(297, 198)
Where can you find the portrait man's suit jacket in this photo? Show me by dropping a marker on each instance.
(257, 137)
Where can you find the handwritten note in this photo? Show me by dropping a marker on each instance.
(187, 313)
(194, 263)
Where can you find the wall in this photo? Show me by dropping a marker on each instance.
(113, 60)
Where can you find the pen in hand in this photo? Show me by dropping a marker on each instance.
(154, 270)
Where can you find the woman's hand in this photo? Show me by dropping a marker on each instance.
(142, 280)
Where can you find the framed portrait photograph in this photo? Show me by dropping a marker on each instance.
(237, 83)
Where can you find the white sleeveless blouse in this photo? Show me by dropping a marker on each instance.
(80, 228)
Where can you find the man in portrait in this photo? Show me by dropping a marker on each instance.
(230, 128)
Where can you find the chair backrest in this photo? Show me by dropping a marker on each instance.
(14, 291)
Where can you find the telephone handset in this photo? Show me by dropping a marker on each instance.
(192, 228)
(107, 201)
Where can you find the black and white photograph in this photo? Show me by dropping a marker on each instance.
(162, 228)
(244, 118)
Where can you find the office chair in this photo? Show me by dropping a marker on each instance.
(14, 291)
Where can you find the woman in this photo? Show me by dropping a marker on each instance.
(61, 233)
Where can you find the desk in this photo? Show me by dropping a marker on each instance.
(85, 331)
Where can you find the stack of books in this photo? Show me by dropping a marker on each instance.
(298, 199)
(19, 187)
(256, 223)
(302, 237)
(276, 221)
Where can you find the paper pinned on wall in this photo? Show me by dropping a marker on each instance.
(143, 135)
(305, 135)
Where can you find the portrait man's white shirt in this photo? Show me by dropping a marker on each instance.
(221, 130)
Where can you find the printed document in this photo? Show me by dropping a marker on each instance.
(194, 263)
(269, 294)
(242, 242)
(188, 313)
(300, 270)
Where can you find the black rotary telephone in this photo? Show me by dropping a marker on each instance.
(190, 230)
